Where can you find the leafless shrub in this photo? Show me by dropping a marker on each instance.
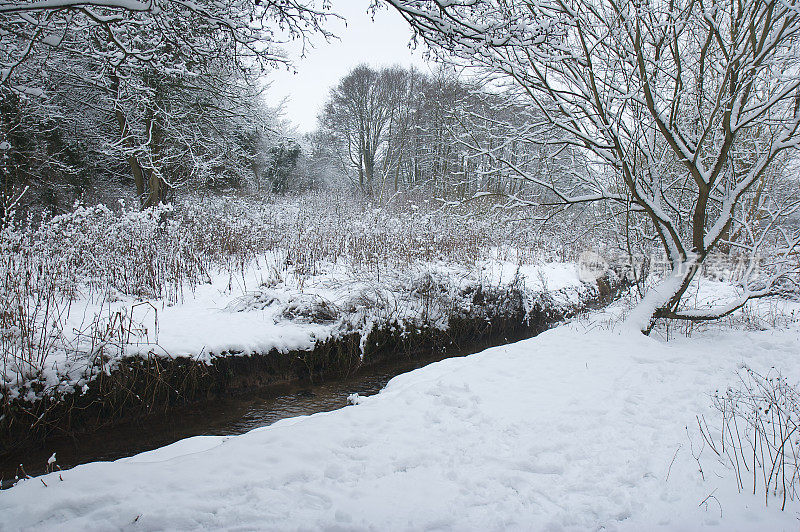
(310, 310)
(758, 434)
(32, 313)
(50, 268)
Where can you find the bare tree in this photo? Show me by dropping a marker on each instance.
(175, 36)
(399, 129)
(169, 72)
(688, 102)
(360, 112)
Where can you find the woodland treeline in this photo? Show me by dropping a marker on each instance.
(150, 135)
(394, 129)
(141, 100)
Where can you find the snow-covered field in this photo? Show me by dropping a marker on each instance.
(582, 427)
(270, 307)
(257, 313)
(89, 288)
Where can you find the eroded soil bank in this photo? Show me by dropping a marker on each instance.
(147, 402)
(228, 415)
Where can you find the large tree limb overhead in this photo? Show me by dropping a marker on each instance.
(19, 6)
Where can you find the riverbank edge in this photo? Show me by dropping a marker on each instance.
(146, 385)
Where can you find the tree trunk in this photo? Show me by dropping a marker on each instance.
(662, 300)
(157, 188)
(133, 162)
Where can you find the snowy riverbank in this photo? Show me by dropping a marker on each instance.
(578, 428)
(271, 307)
(273, 326)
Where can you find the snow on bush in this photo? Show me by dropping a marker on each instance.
(758, 435)
(72, 286)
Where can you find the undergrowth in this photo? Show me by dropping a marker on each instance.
(101, 255)
(758, 434)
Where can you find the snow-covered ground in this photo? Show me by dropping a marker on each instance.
(582, 427)
(222, 276)
(270, 306)
(259, 313)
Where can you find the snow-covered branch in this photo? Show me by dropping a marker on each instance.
(683, 110)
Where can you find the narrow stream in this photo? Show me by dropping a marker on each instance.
(225, 416)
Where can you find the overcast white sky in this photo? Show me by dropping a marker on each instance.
(381, 42)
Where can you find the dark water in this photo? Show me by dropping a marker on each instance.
(224, 416)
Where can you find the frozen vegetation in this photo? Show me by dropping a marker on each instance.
(582, 427)
(588, 425)
(87, 289)
(564, 150)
